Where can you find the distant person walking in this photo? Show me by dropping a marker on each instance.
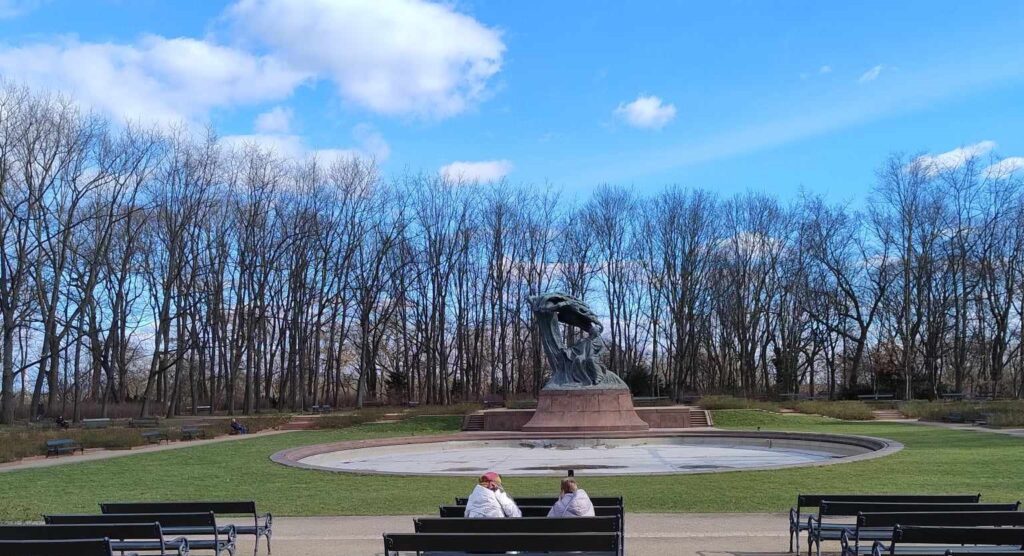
(572, 502)
(489, 499)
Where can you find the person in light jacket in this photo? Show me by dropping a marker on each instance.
(573, 502)
(489, 499)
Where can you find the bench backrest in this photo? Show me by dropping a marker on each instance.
(550, 500)
(196, 519)
(829, 508)
(502, 542)
(123, 531)
(60, 442)
(522, 525)
(79, 547)
(221, 507)
(936, 519)
(1008, 536)
(531, 511)
(815, 500)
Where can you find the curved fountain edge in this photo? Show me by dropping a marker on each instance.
(880, 447)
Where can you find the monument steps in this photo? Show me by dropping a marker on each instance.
(474, 422)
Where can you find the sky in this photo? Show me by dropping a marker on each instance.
(777, 97)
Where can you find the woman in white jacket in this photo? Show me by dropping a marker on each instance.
(573, 502)
(488, 499)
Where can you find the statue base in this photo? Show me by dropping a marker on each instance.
(585, 410)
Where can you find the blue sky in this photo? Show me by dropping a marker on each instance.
(729, 96)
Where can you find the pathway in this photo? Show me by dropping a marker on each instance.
(646, 534)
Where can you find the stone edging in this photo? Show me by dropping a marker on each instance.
(880, 447)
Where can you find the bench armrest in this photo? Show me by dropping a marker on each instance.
(182, 543)
(844, 542)
(268, 520)
(794, 517)
(878, 548)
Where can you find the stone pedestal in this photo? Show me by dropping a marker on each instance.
(585, 410)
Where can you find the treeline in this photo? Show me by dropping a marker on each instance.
(162, 267)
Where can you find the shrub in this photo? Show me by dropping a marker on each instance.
(731, 402)
(846, 410)
(1004, 413)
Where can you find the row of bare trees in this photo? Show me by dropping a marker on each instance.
(163, 268)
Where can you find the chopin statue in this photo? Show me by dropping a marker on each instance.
(576, 366)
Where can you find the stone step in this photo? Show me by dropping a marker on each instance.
(474, 422)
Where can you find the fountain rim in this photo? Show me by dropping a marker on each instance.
(878, 447)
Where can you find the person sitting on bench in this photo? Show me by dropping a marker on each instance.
(238, 428)
(61, 422)
(572, 502)
(489, 499)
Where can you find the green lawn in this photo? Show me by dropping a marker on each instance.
(934, 460)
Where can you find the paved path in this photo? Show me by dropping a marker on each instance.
(94, 454)
(1019, 432)
(646, 535)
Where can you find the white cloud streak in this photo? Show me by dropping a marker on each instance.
(951, 160)
(871, 75)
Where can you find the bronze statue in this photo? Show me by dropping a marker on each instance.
(577, 366)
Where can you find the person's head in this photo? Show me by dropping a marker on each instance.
(490, 480)
(569, 486)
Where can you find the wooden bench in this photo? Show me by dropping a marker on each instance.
(130, 537)
(831, 532)
(79, 547)
(953, 396)
(155, 436)
(411, 404)
(143, 422)
(450, 511)
(62, 446)
(321, 409)
(876, 397)
(198, 530)
(879, 526)
(529, 543)
(798, 520)
(192, 432)
(939, 540)
(96, 423)
(603, 524)
(493, 400)
(262, 525)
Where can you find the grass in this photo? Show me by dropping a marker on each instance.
(848, 410)
(935, 460)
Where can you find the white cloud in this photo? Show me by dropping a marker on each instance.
(825, 69)
(276, 120)
(955, 158)
(872, 74)
(647, 112)
(155, 79)
(10, 9)
(482, 171)
(1005, 167)
(391, 56)
(369, 144)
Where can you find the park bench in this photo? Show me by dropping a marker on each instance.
(412, 404)
(798, 520)
(953, 396)
(321, 409)
(449, 511)
(192, 432)
(954, 417)
(550, 501)
(816, 533)
(78, 547)
(651, 401)
(493, 400)
(129, 537)
(529, 543)
(62, 446)
(198, 530)
(262, 525)
(983, 420)
(875, 397)
(879, 526)
(939, 540)
(96, 423)
(155, 436)
(143, 422)
(604, 524)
